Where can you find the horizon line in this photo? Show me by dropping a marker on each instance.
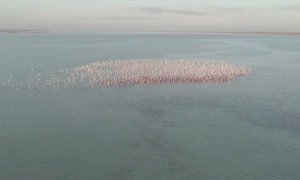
(152, 32)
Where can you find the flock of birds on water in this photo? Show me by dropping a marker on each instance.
(134, 72)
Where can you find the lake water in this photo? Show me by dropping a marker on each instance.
(245, 129)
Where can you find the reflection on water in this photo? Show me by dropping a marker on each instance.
(245, 129)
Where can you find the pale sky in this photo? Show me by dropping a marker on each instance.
(152, 15)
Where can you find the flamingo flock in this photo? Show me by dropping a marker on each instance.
(137, 72)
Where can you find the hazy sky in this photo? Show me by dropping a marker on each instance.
(151, 15)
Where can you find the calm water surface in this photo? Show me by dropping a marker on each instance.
(246, 129)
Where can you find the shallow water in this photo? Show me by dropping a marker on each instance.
(246, 129)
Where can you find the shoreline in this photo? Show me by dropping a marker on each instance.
(12, 31)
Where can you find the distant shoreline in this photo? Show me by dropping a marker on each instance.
(267, 33)
(145, 32)
(22, 31)
(190, 32)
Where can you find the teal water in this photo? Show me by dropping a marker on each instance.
(246, 129)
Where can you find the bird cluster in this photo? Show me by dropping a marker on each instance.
(135, 72)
